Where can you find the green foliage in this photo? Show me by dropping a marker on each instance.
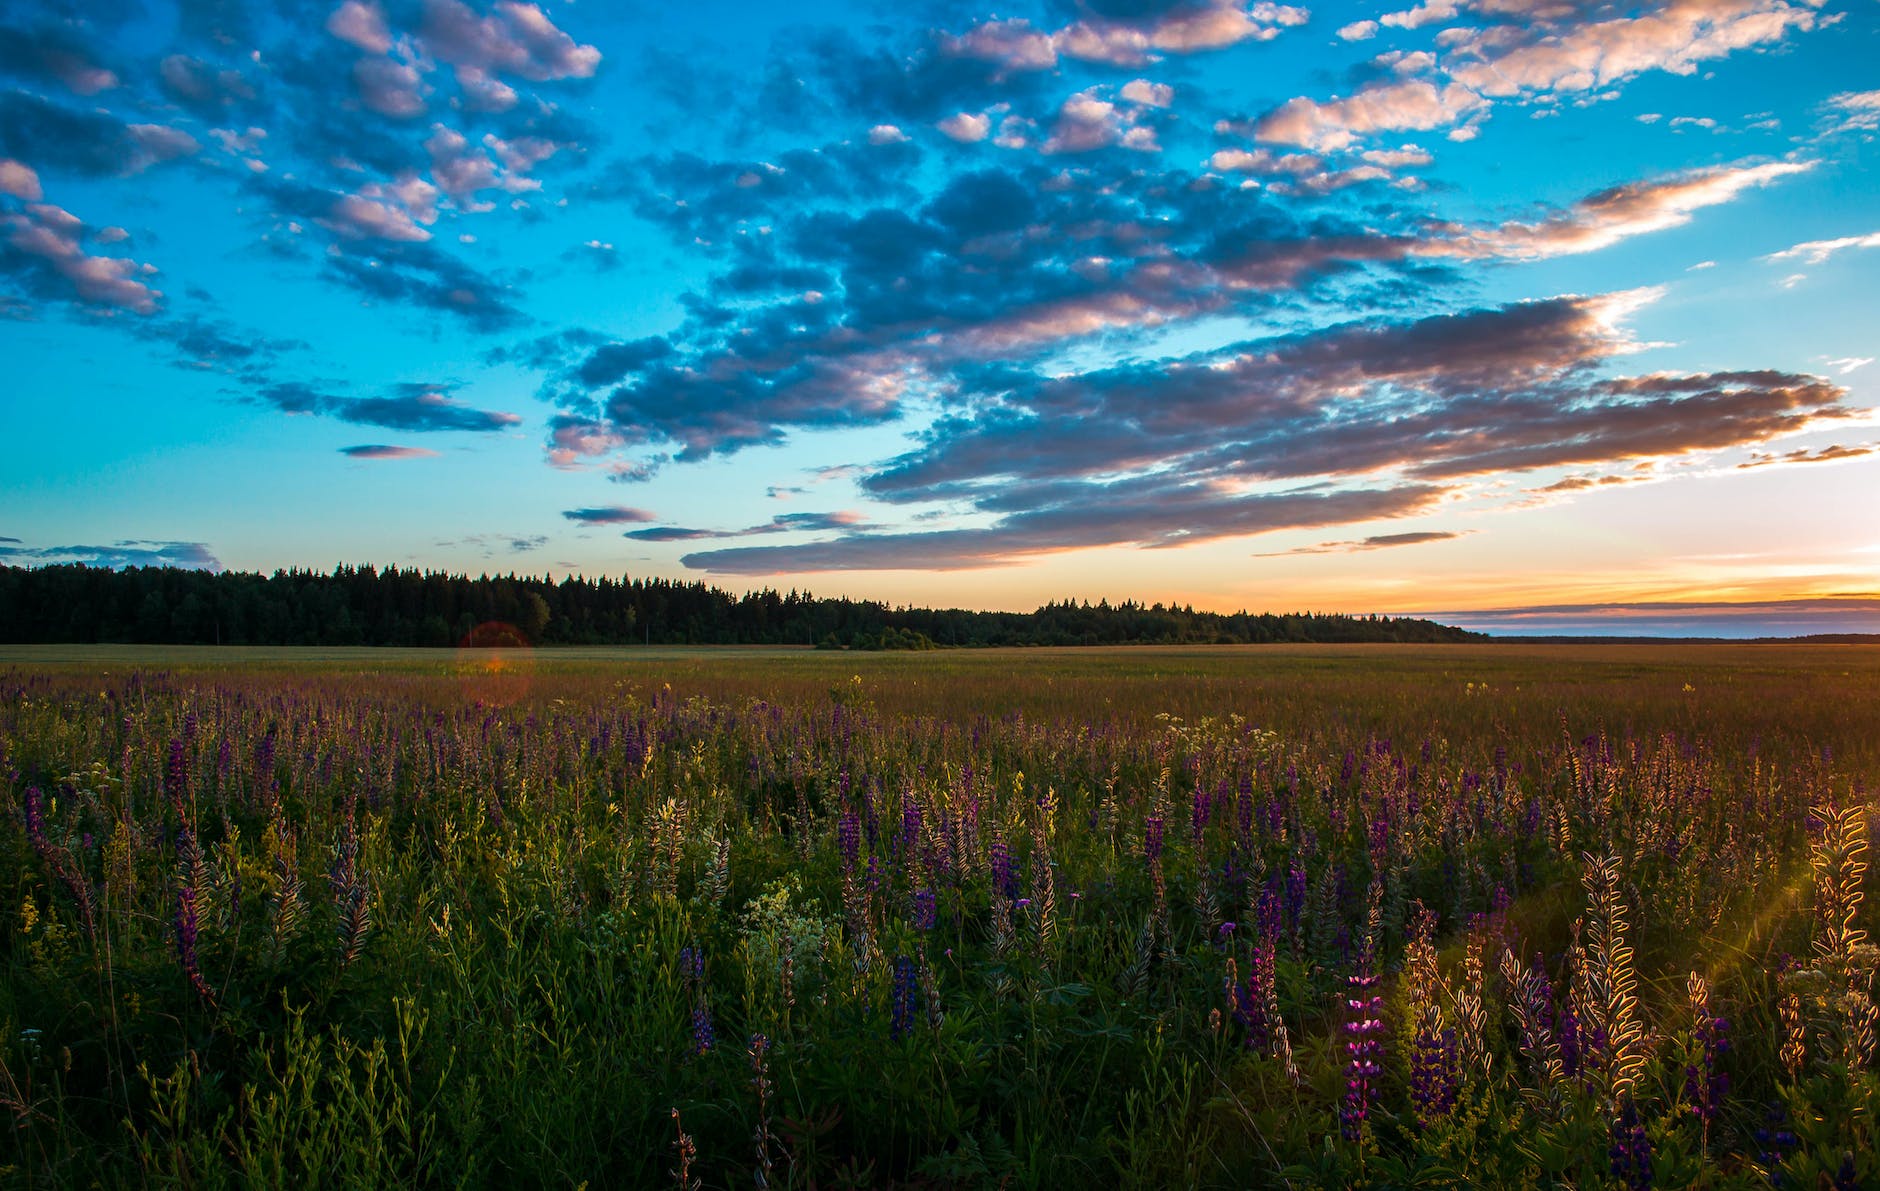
(1085, 923)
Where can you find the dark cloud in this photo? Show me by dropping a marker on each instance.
(208, 341)
(386, 451)
(1146, 511)
(490, 544)
(1382, 541)
(90, 143)
(702, 199)
(131, 553)
(412, 407)
(48, 54)
(549, 352)
(874, 81)
(1505, 389)
(612, 363)
(1164, 453)
(207, 90)
(383, 251)
(671, 533)
(418, 274)
(835, 315)
(782, 523)
(50, 254)
(608, 515)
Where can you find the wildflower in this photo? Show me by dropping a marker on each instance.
(1004, 876)
(904, 1000)
(1773, 1141)
(1364, 1050)
(926, 910)
(1152, 838)
(1704, 1084)
(1631, 1150)
(1846, 1178)
(1435, 1075)
(176, 776)
(36, 821)
(692, 972)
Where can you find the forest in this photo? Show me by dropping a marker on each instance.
(366, 605)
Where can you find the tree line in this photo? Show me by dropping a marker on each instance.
(366, 605)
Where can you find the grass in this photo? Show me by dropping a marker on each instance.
(1029, 917)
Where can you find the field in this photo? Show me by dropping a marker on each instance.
(1267, 916)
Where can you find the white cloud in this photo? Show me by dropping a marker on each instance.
(966, 127)
(1815, 252)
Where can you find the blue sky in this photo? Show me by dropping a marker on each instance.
(1561, 311)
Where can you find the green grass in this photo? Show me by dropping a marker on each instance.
(539, 843)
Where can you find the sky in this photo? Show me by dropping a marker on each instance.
(1540, 315)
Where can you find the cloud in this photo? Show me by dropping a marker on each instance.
(1544, 50)
(20, 181)
(1574, 56)
(1409, 106)
(51, 54)
(361, 23)
(423, 276)
(608, 515)
(1087, 121)
(1832, 454)
(1147, 512)
(411, 407)
(1123, 36)
(205, 90)
(966, 127)
(490, 544)
(1609, 216)
(390, 87)
(1435, 401)
(195, 556)
(1847, 364)
(463, 172)
(384, 451)
(574, 439)
(516, 39)
(1142, 91)
(1374, 542)
(91, 143)
(839, 316)
(1855, 111)
(782, 523)
(1816, 252)
(1762, 618)
(44, 251)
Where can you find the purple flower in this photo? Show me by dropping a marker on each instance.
(1364, 1051)
(1774, 1140)
(1152, 838)
(1004, 876)
(1705, 1085)
(1435, 1074)
(176, 776)
(904, 1000)
(1631, 1150)
(849, 838)
(692, 971)
(926, 910)
(36, 821)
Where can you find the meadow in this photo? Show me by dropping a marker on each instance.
(1302, 916)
